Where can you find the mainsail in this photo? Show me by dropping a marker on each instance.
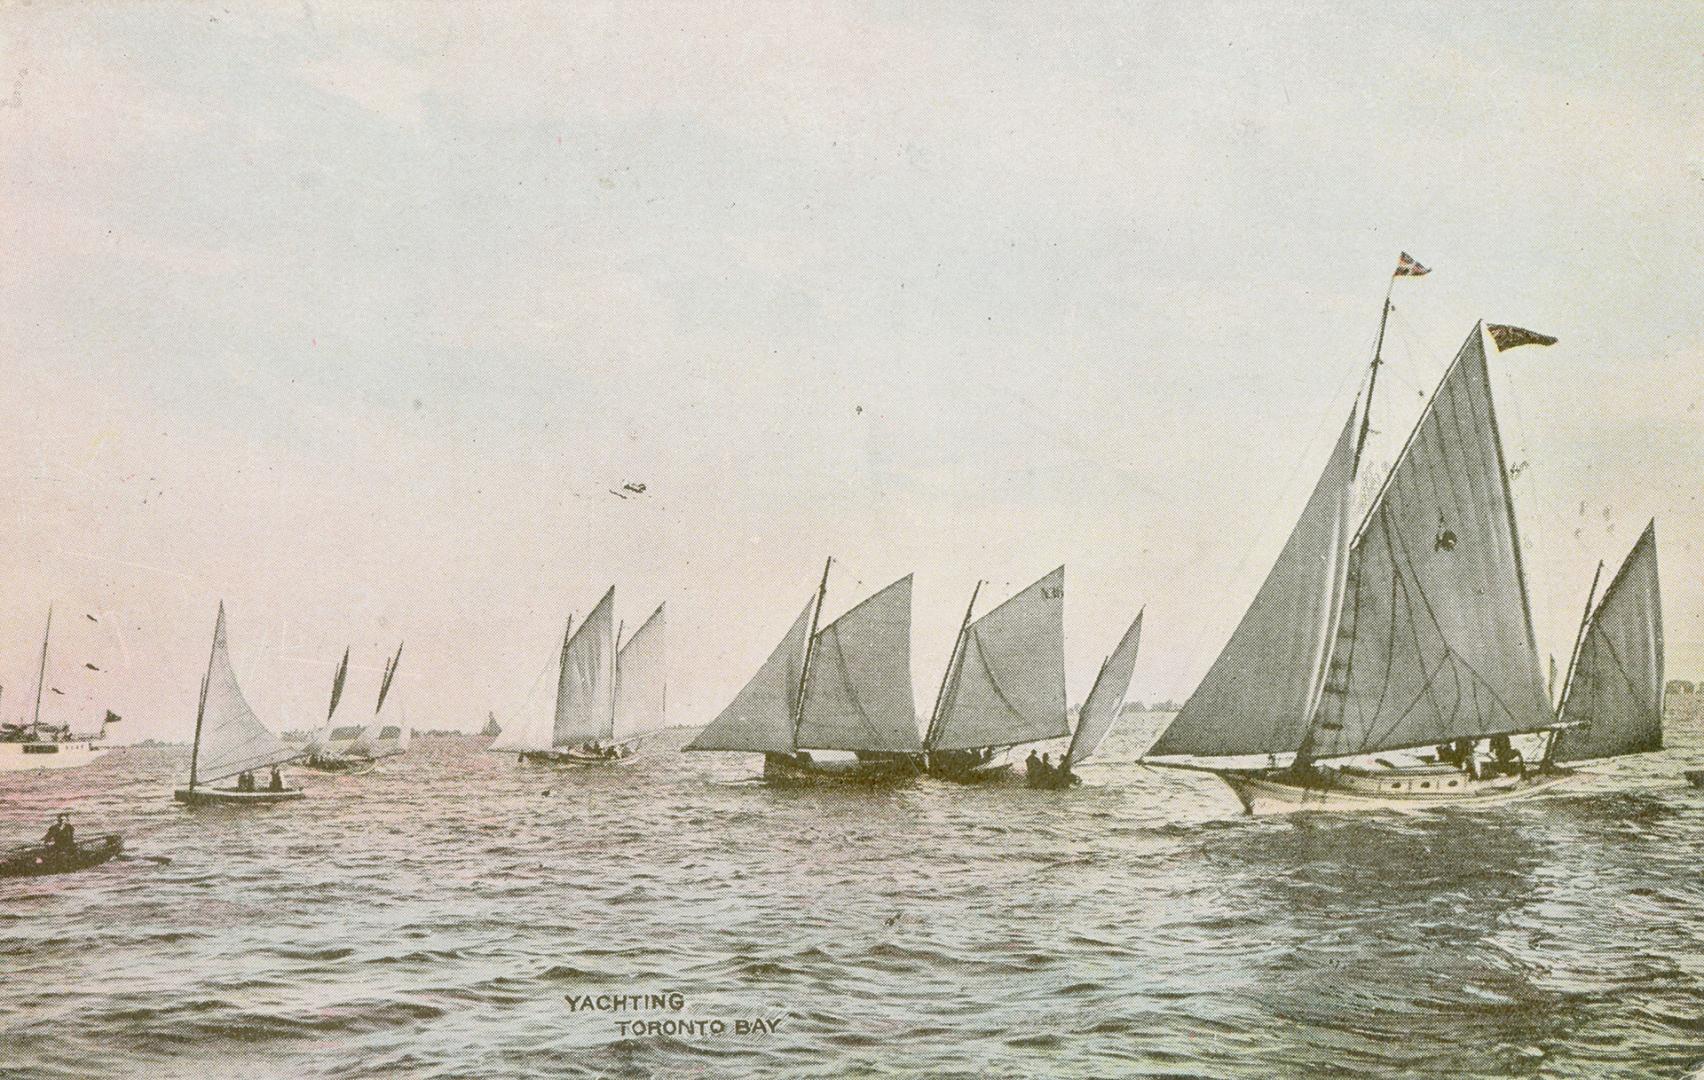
(760, 718)
(1259, 693)
(1106, 698)
(641, 686)
(859, 694)
(320, 742)
(1006, 681)
(1435, 638)
(1615, 691)
(230, 739)
(584, 696)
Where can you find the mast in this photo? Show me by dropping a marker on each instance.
(614, 674)
(1580, 638)
(41, 672)
(201, 708)
(1373, 379)
(810, 650)
(946, 676)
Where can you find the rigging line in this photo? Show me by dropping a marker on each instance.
(999, 691)
(1432, 615)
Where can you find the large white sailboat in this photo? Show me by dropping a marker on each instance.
(27, 747)
(844, 689)
(230, 741)
(610, 695)
(1004, 685)
(1412, 631)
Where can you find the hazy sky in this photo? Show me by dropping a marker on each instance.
(352, 315)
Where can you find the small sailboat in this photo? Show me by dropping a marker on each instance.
(1412, 631)
(1004, 685)
(230, 740)
(1101, 709)
(329, 748)
(609, 695)
(492, 728)
(1612, 701)
(845, 688)
(386, 735)
(37, 860)
(35, 745)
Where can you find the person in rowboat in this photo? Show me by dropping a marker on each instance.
(61, 835)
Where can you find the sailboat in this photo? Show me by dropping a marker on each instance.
(230, 740)
(384, 736)
(1101, 709)
(492, 728)
(1612, 702)
(35, 745)
(1414, 630)
(1004, 684)
(844, 688)
(609, 695)
(329, 750)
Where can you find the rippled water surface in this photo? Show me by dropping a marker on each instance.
(432, 918)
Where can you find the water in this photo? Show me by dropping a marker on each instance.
(431, 919)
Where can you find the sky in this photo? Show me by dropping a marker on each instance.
(352, 316)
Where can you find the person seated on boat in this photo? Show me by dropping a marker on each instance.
(245, 781)
(60, 835)
(1446, 754)
(1032, 768)
(1505, 759)
(610, 753)
(1464, 758)
(1048, 774)
(277, 781)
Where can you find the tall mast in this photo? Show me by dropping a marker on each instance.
(201, 708)
(1373, 379)
(561, 677)
(614, 674)
(810, 651)
(1580, 638)
(941, 694)
(41, 672)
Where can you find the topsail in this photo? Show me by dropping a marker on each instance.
(1435, 638)
(859, 693)
(1615, 690)
(230, 739)
(1006, 681)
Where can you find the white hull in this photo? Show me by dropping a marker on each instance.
(35, 756)
(1275, 791)
(207, 796)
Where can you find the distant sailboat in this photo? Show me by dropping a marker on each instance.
(1612, 702)
(609, 695)
(230, 741)
(330, 748)
(1415, 631)
(1004, 684)
(492, 728)
(846, 687)
(386, 735)
(35, 745)
(1101, 709)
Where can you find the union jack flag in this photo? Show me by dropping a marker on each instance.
(1406, 266)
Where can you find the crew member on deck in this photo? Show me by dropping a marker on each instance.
(1032, 768)
(277, 781)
